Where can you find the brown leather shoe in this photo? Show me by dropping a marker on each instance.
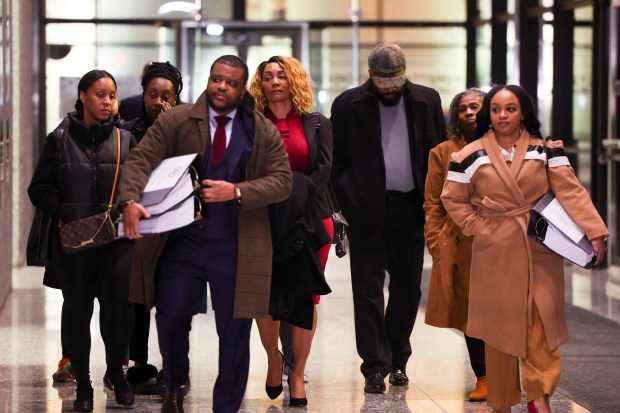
(479, 394)
(174, 401)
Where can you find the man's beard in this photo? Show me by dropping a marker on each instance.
(390, 99)
(227, 108)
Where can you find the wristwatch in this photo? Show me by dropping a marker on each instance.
(123, 204)
(238, 196)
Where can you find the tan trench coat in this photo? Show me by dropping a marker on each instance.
(184, 129)
(491, 200)
(448, 291)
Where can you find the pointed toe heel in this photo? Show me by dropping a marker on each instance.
(273, 391)
(301, 402)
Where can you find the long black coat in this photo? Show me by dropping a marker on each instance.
(298, 231)
(358, 169)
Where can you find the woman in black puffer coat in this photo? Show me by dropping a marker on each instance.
(73, 179)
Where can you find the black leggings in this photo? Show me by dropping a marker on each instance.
(103, 273)
(475, 348)
(139, 344)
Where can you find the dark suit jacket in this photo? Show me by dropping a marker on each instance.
(358, 169)
(131, 107)
(310, 194)
(318, 131)
(184, 129)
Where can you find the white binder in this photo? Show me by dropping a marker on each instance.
(553, 227)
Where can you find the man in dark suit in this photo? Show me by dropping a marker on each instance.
(383, 132)
(246, 168)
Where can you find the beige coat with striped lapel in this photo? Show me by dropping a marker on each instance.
(491, 200)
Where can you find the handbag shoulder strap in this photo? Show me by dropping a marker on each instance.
(118, 164)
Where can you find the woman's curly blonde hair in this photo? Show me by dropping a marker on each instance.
(300, 84)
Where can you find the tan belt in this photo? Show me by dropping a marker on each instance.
(522, 215)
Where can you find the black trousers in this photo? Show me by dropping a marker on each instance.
(139, 344)
(382, 336)
(475, 348)
(286, 339)
(184, 268)
(101, 273)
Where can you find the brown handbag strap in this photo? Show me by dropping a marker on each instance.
(118, 164)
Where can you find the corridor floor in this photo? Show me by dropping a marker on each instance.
(439, 372)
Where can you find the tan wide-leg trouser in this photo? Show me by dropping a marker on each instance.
(540, 369)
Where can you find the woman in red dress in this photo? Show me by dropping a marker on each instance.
(302, 226)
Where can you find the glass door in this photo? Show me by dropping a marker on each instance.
(203, 42)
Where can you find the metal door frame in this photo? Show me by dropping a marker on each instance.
(612, 143)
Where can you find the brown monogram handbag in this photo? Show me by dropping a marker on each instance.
(95, 230)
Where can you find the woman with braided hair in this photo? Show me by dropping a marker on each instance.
(161, 85)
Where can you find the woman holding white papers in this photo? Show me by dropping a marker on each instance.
(283, 90)
(516, 302)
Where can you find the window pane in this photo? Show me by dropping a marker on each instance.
(70, 9)
(435, 58)
(122, 50)
(582, 101)
(123, 9)
(483, 55)
(406, 10)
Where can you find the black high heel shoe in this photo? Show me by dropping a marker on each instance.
(274, 391)
(294, 401)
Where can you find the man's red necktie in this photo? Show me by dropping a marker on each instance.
(219, 139)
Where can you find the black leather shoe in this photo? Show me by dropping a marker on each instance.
(84, 399)
(374, 384)
(162, 389)
(122, 390)
(398, 377)
(136, 375)
(174, 401)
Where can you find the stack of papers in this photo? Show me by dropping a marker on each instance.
(554, 228)
(181, 191)
(177, 217)
(168, 197)
(164, 178)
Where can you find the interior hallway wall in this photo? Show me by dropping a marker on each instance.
(5, 150)
(18, 112)
(24, 96)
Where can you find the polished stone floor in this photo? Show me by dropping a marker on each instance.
(439, 370)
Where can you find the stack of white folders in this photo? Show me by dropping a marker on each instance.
(168, 197)
(553, 227)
